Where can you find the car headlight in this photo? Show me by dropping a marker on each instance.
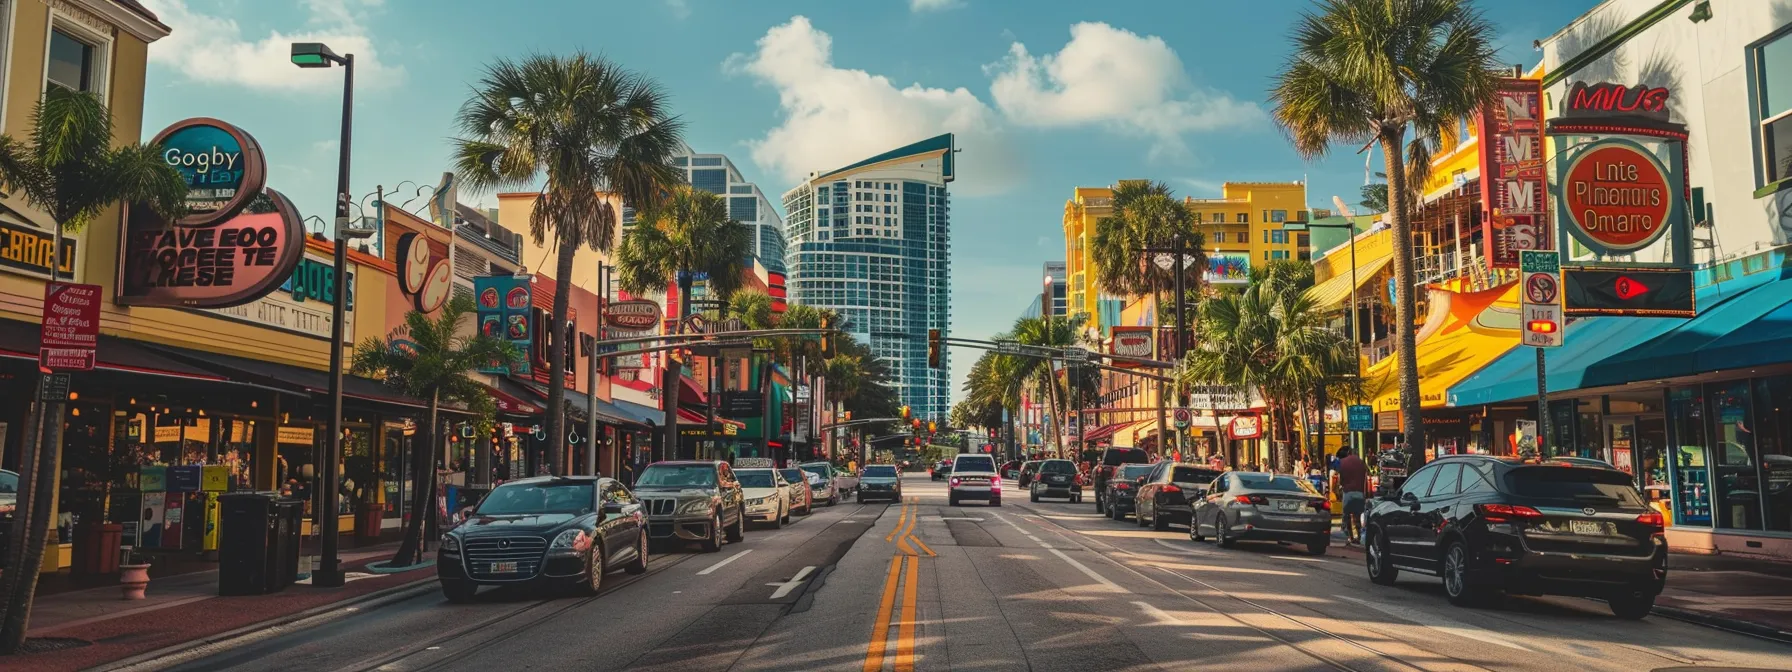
(762, 501)
(450, 544)
(694, 506)
(567, 541)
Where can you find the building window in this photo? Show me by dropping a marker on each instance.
(1278, 254)
(1300, 239)
(1771, 61)
(1266, 236)
(1244, 218)
(1278, 236)
(1278, 216)
(72, 62)
(1219, 236)
(712, 180)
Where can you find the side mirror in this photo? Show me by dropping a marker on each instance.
(462, 515)
(612, 508)
(1409, 499)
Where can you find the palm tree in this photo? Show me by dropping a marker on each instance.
(434, 367)
(72, 171)
(686, 235)
(998, 379)
(594, 130)
(1272, 338)
(1370, 71)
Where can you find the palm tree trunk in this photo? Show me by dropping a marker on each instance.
(1400, 199)
(557, 354)
(423, 480)
(30, 557)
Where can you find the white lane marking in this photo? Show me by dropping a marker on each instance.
(1439, 623)
(1112, 587)
(1158, 616)
(724, 561)
(934, 518)
(787, 586)
(1296, 557)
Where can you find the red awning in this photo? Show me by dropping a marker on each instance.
(509, 402)
(1104, 431)
(689, 417)
(689, 393)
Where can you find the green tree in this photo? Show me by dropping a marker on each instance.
(595, 131)
(1375, 196)
(687, 234)
(73, 168)
(1375, 71)
(997, 380)
(433, 367)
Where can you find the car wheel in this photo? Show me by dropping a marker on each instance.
(996, 502)
(1194, 530)
(1631, 606)
(787, 515)
(1381, 567)
(1138, 516)
(1223, 535)
(459, 592)
(1034, 496)
(713, 542)
(1459, 585)
(639, 564)
(594, 570)
(739, 530)
(951, 499)
(1158, 522)
(1318, 546)
(778, 520)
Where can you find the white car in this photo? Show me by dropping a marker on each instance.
(821, 482)
(974, 477)
(767, 495)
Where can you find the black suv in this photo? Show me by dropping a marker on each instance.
(1168, 491)
(1111, 459)
(1123, 486)
(1488, 525)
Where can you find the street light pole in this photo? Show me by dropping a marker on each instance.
(329, 572)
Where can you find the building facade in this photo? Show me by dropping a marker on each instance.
(1248, 226)
(716, 174)
(1055, 276)
(1087, 205)
(872, 242)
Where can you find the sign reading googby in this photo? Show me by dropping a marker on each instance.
(222, 164)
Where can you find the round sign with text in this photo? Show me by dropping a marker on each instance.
(1617, 197)
(222, 165)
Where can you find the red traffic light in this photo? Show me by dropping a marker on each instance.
(1541, 326)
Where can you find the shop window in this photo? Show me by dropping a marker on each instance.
(1737, 485)
(395, 472)
(1770, 62)
(1687, 470)
(1773, 412)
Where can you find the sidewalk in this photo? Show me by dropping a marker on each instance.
(94, 626)
(1741, 594)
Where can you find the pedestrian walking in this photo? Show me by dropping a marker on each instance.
(1352, 484)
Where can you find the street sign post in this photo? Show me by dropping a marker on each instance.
(1183, 418)
(71, 326)
(1540, 291)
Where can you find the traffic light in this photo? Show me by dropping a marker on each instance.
(827, 338)
(846, 416)
(932, 426)
(904, 412)
(933, 348)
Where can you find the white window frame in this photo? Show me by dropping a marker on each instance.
(8, 19)
(104, 45)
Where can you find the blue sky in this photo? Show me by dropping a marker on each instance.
(1045, 95)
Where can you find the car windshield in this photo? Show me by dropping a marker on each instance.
(1119, 456)
(794, 475)
(1132, 471)
(821, 470)
(880, 471)
(975, 463)
(513, 499)
(1577, 485)
(1194, 475)
(754, 478)
(1281, 483)
(1057, 467)
(687, 475)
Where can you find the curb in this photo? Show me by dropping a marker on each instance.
(226, 640)
(1735, 625)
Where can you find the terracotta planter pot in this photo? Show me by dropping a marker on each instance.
(133, 579)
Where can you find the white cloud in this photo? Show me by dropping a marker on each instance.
(834, 116)
(212, 49)
(1116, 78)
(681, 9)
(919, 6)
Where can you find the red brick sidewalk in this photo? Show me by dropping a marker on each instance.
(134, 630)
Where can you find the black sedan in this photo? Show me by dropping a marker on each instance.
(1055, 478)
(1165, 497)
(1488, 525)
(880, 481)
(563, 530)
(1123, 487)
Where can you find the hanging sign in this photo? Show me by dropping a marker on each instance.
(1247, 427)
(1633, 292)
(1605, 99)
(1361, 417)
(226, 263)
(1512, 172)
(634, 315)
(501, 304)
(222, 164)
(1131, 342)
(71, 327)
(427, 279)
(1615, 196)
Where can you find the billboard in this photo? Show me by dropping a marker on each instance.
(1513, 194)
(502, 304)
(1228, 267)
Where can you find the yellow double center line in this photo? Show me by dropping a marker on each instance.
(904, 575)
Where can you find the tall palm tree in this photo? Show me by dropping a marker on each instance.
(434, 367)
(1372, 71)
(73, 170)
(688, 234)
(594, 130)
(998, 379)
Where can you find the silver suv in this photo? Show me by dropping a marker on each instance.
(974, 477)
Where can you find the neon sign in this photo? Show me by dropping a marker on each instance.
(1606, 99)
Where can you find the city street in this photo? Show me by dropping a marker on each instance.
(1046, 586)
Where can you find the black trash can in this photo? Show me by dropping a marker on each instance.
(246, 543)
(283, 564)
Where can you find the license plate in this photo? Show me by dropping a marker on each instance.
(1287, 505)
(501, 568)
(1586, 527)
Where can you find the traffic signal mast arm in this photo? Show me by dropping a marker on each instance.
(680, 341)
(1061, 354)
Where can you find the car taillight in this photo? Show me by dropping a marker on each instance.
(955, 480)
(1652, 519)
(995, 483)
(1322, 505)
(1122, 486)
(1171, 487)
(1505, 513)
(1251, 499)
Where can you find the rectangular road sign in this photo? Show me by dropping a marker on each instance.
(1540, 296)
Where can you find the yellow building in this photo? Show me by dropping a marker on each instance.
(1244, 226)
(1082, 291)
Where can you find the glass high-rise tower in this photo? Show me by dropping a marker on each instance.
(871, 241)
(716, 174)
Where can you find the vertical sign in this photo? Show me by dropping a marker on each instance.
(1513, 190)
(71, 329)
(503, 303)
(1540, 292)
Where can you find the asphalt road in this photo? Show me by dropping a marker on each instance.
(1046, 586)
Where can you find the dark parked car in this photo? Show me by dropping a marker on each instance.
(569, 530)
(696, 500)
(1055, 478)
(941, 470)
(1488, 525)
(1111, 459)
(1028, 471)
(1246, 505)
(1123, 486)
(880, 481)
(1168, 494)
